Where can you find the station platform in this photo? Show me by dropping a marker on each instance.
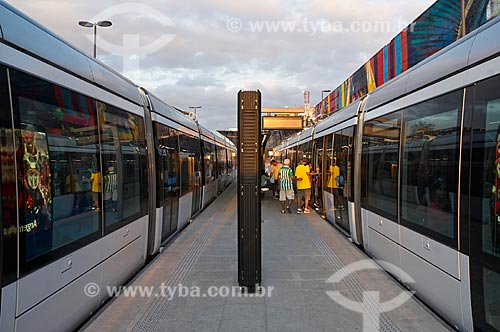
(300, 252)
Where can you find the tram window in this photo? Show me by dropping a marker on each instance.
(221, 161)
(56, 147)
(210, 161)
(380, 159)
(341, 152)
(430, 167)
(124, 175)
(292, 155)
(341, 168)
(305, 151)
(167, 168)
(189, 157)
(231, 161)
(349, 162)
(330, 171)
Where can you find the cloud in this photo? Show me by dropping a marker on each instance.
(207, 64)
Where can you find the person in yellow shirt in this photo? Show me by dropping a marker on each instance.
(95, 180)
(333, 178)
(303, 174)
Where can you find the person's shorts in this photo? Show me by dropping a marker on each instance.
(286, 194)
(306, 193)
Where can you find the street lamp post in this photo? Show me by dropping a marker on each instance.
(195, 108)
(87, 24)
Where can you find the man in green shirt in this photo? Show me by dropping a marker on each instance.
(285, 176)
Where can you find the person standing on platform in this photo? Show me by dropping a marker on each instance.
(285, 177)
(275, 168)
(303, 174)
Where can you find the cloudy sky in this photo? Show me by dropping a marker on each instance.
(202, 52)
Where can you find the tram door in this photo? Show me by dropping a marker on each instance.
(318, 178)
(170, 194)
(197, 181)
(174, 180)
(197, 187)
(485, 206)
(342, 147)
(169, 176)
(190, 169)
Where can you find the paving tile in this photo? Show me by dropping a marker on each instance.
(198, 325)
(242, 326)
(246, 312)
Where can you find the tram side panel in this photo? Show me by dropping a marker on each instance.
(67, 186)
(410, 162)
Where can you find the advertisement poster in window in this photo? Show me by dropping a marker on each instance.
(35, 200)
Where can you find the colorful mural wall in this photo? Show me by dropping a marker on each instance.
(436, 28)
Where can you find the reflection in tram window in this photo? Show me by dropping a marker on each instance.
(334, 181)
(305, 151)
(123, 160)
(232, 161)
(167, 168)
(190, 163)
(210, 161)
(330, 170)
(430, 166)
(380, 161)
(492, 157)
(221, 161)
(56, 145)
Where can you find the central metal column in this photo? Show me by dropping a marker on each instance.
(249, 204)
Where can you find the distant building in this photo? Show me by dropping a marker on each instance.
(231, 134)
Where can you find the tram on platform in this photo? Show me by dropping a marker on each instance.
(411, 173)
(96, 174)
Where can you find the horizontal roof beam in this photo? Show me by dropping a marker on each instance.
(282, 110)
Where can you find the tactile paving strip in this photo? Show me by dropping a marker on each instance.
(371, 307)
(156, 310)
